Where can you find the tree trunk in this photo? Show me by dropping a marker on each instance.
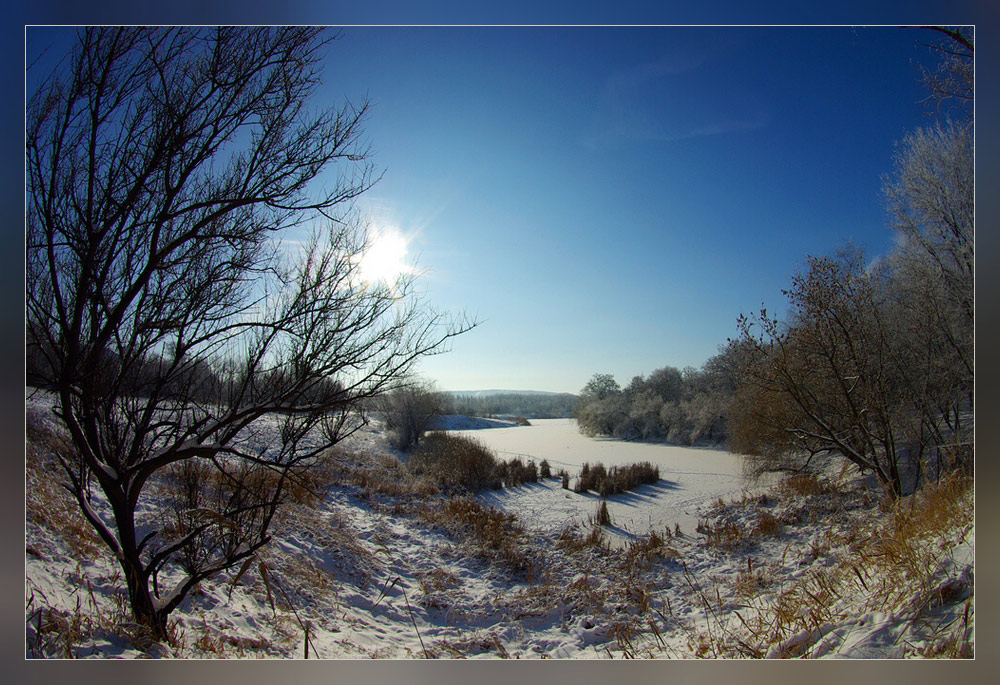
(144, 609)
(141, 599)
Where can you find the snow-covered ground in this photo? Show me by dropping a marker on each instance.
(370, 573)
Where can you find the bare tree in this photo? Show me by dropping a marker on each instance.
(865, 367)
(173, 327)
(408, 411)
(826, 382)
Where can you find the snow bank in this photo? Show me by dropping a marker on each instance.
(453, 422)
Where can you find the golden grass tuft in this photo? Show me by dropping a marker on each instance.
(726, 535)
(602, 517)
(767, 524)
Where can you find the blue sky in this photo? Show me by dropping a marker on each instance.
(611, 199)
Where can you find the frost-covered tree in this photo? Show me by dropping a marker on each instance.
(644, 415)
(932, 204)
(162, 165)
(667, 383)
(599, 387)
(953, 81)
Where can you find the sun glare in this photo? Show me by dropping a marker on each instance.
(384, 259)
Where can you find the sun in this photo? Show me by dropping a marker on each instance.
(384, 259)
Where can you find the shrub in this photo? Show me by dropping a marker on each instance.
(408, 413)
(767, 524)
(456, 463)
(378, 474)
(564, 477)
(544, 470)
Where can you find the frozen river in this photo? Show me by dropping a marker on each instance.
(690, 476)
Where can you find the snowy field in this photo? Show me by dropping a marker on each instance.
(372, 570)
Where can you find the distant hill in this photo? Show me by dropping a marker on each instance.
(528, 403)
(488, 393)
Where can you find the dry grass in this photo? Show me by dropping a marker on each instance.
(805, 484)
(899, 553)
(569, 539)
(436, 580)
(642, 552)
(726, 535)
(48, 503)
(495, 535)
(455, 463)
(53, 633)
(211, 642)
(69, 633)
(586, 594)
(890, 565)
(378, 475)
(751, 582)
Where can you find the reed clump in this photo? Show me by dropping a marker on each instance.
(616, 479)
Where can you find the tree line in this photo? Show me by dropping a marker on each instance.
(681, 406)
